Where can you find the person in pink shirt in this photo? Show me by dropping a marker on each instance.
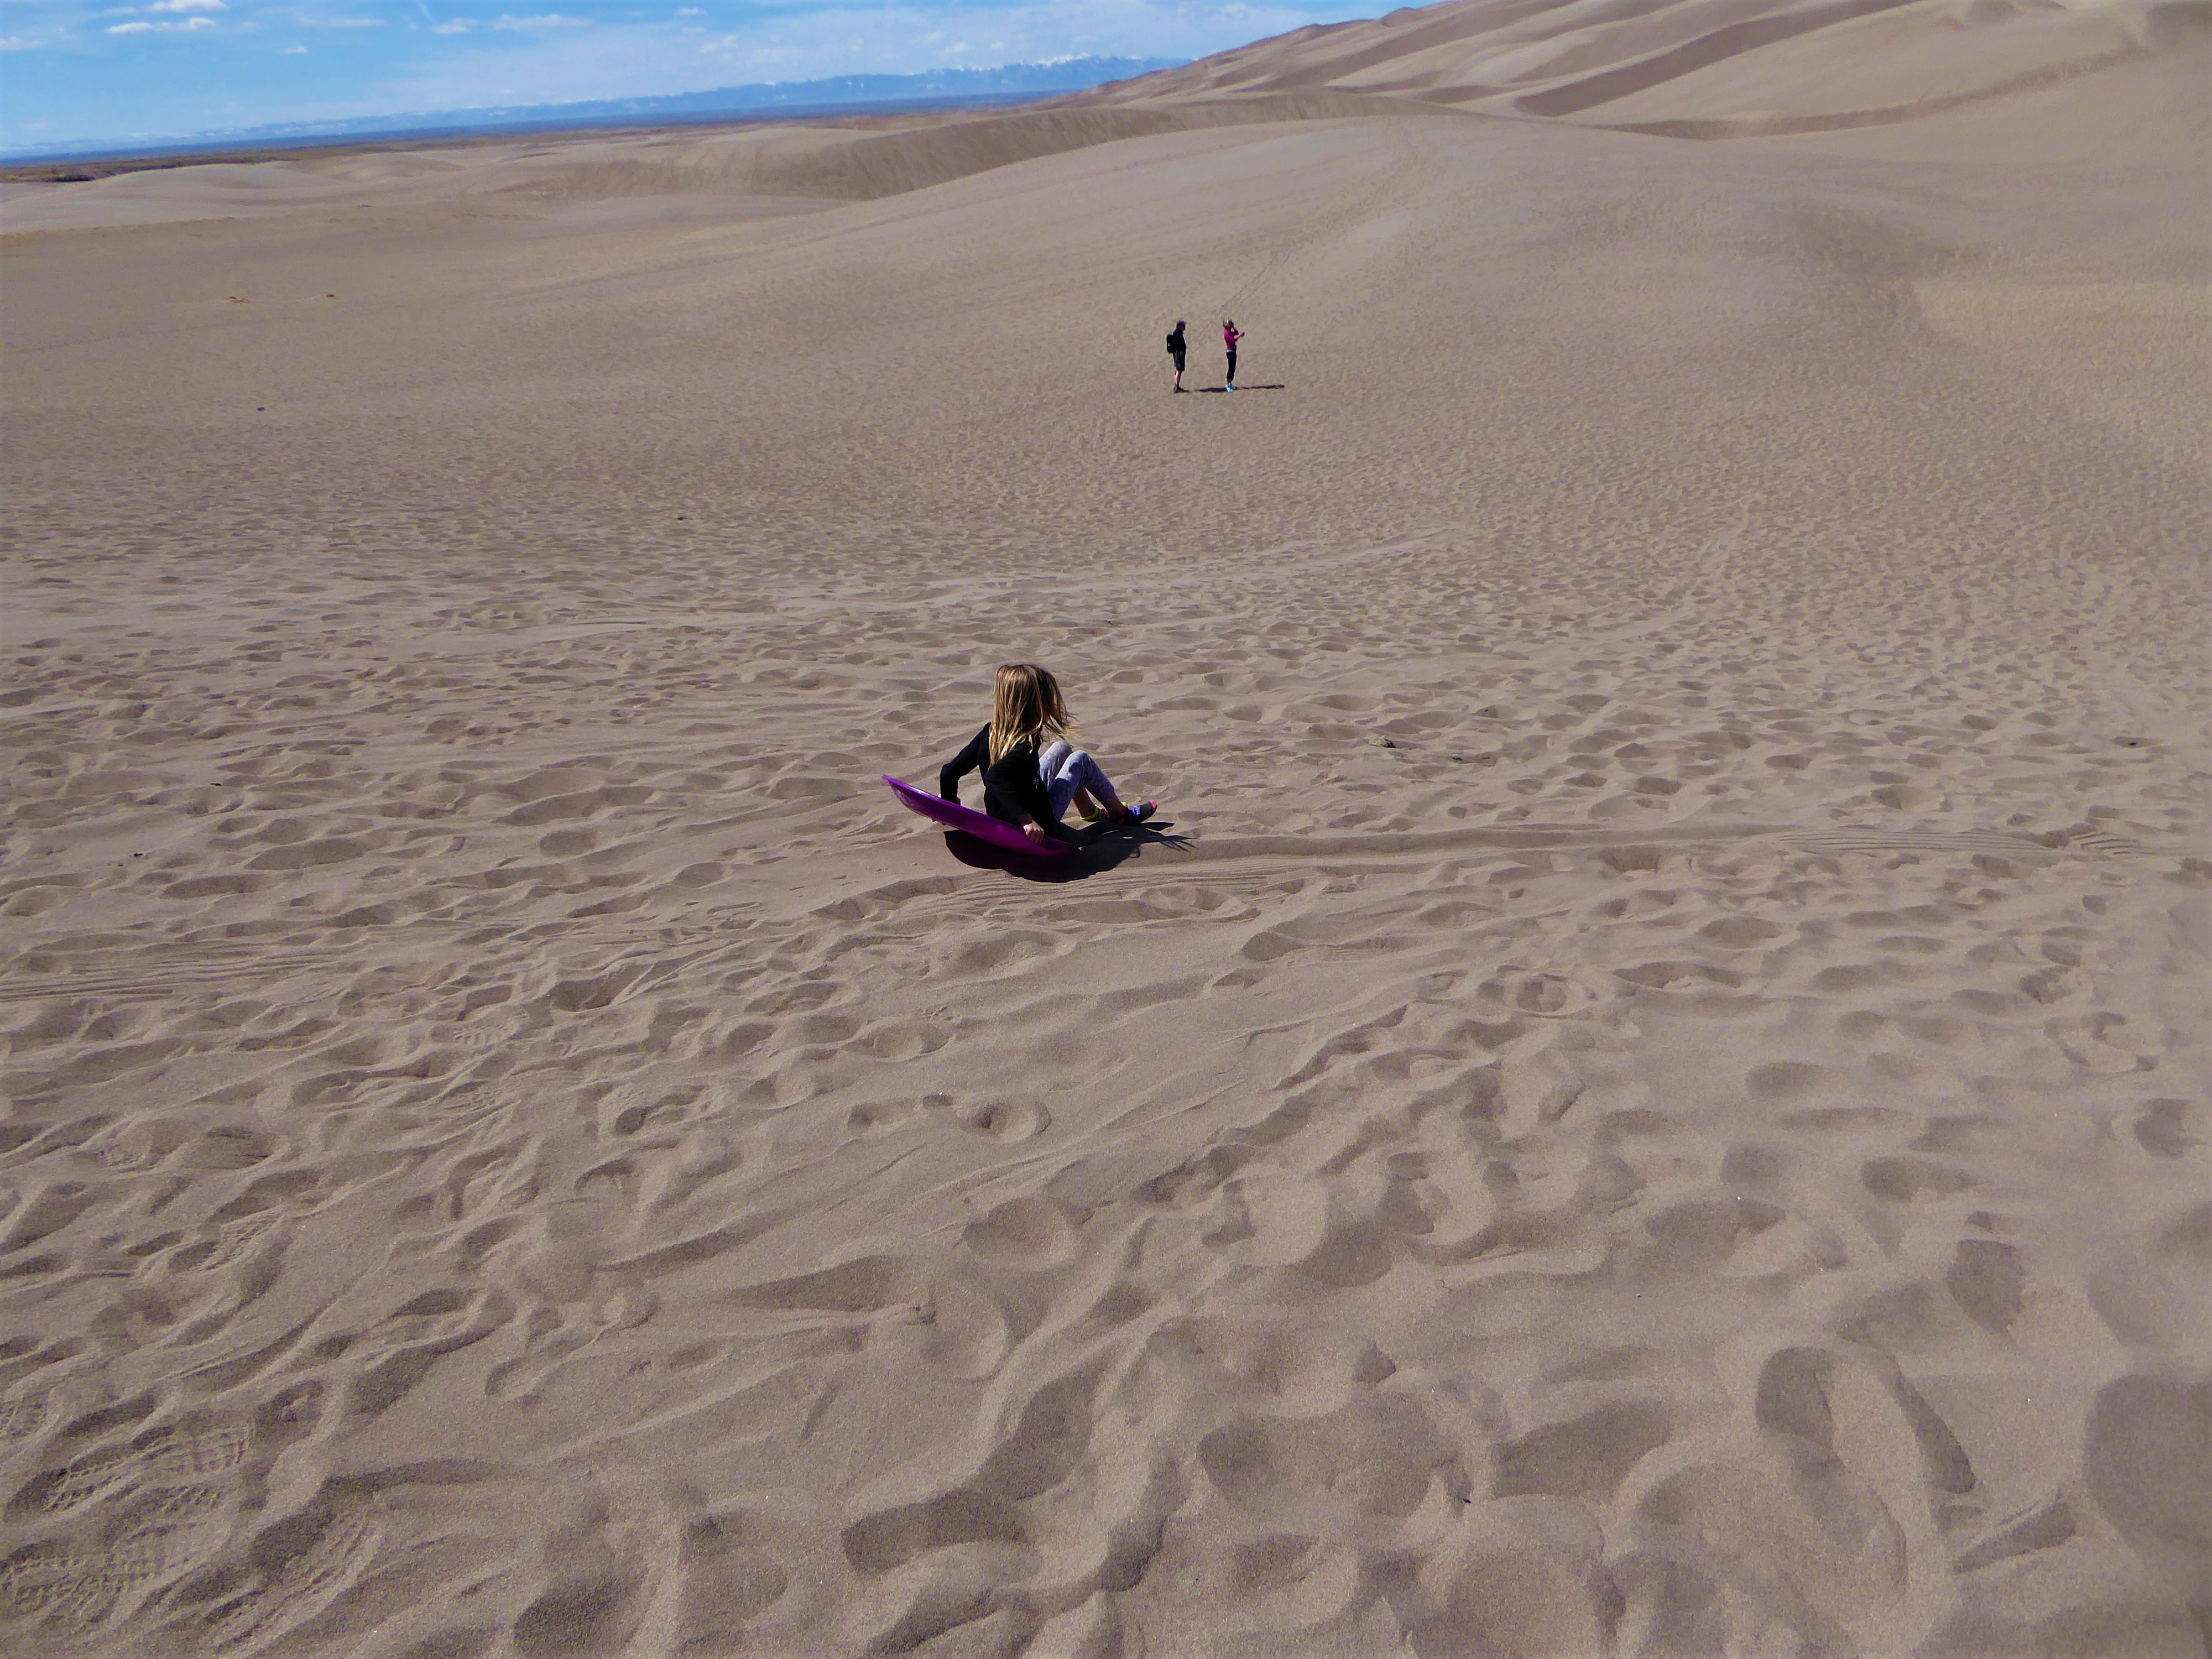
(1230, 334)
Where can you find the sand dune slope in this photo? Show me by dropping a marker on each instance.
(1699, 68)
(739, 175)
(1645, 1096)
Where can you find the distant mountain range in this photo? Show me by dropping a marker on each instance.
(1007, 84)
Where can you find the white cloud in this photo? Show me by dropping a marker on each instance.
(188, 5)
(689, 11)
(630, 51)
(143, 27)
(293, 51)
(619, 60)
(458, 26)
(541, 24)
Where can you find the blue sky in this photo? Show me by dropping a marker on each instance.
(86, 72)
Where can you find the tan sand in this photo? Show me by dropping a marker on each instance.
(1652, 1101)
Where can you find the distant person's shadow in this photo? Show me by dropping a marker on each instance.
(1251, 386)
(1096, 850)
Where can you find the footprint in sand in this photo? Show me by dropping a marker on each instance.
(994, 1120)
(1373, 1458)
(879, 1117)
(726, 1577)
(2107, 1044)
(165, 1499)
(2147, 1467)
(1741, 933)
(1679, 976)
(294, 1569)
(1522, 1581)
(1029, 1233)
(487, 1031)
(1530, 991)
(25, 1414)
(2164, 1128)
(159, 1458)
(1906, 1180)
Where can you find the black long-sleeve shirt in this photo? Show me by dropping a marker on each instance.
(1013, 789)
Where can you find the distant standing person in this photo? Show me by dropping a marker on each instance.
(1176, 344)
(1230, 334)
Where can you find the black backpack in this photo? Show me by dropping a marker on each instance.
(1175, 341)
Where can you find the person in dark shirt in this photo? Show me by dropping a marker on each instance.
(1033, 773)
(1176, 344)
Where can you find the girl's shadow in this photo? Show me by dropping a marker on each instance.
(1096, 850)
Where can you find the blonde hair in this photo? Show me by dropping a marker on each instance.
(1025, 707)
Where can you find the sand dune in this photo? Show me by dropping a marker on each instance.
(1701, 68)
(1647, 1096)
(739, 175)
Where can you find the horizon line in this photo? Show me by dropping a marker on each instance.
(403, 126)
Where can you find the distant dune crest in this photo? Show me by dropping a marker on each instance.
(1700, 69)
(2132, 71)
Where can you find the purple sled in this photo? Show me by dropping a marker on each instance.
(982, 825)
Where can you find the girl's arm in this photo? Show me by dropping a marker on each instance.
(974, 758)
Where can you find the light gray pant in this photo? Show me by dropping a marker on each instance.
(1065, 769)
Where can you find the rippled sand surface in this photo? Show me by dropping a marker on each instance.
(1646, 1095)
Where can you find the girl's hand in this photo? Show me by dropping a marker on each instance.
(1035, 832)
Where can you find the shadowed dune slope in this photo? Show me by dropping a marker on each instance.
(1698, 67)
